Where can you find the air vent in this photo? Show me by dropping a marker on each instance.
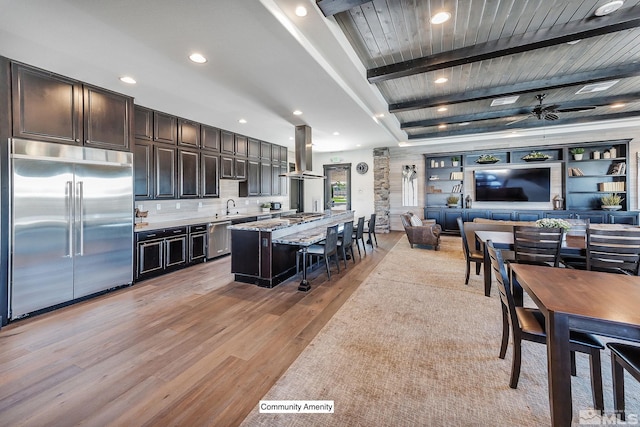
(597, 87)
(504, 101)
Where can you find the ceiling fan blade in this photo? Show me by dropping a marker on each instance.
(550, 116)
(576, 109)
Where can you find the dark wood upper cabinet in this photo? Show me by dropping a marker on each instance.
(188, 133)
(241, 146)
(283, 155)
(165, 128)
(227, 167)
(253, 150)
(265, 151)
(46, 106)
(275, 153)
(107, 119)
(210, 185)
(188, 173)
(227, 142)
(143, 123)
(210, 138)
(265, 179)
(165, 171)
(240, 166)
(143, 169)
(251, 187)
(275, 180)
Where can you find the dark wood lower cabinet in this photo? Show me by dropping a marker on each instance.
(197, 243)
(160, 251)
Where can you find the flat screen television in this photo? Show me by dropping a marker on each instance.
(513, 185)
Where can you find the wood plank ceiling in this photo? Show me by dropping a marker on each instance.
(492, 49)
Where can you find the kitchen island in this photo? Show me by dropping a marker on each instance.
(264, 252)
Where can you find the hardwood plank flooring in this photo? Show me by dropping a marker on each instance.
(192, 347)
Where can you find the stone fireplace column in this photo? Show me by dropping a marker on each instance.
(381, 203)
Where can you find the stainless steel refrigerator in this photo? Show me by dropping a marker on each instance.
(71, 223)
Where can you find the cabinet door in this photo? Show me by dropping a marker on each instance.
(253, 151)
(175, 251)
(240, 166)
(227, 167)
(46, 107)
(275, 180)
(265, 179)
(210, 186)
(143, 169)
(283, 155)
(188, 133)
(107, 119)
(210, 139)
(451, 219)
(197, 247)
(241, 147)
(275, 153)
(253, 178)
(143, 123)
(188, 173)
(265, 151)
(227, 142)
(165, 128)
(165, 171)
(150, 257)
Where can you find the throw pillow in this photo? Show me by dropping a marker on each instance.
(415, 221)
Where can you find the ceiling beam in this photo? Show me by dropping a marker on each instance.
(576, 30)
(556, 82)
(510, 112)
(522, 125)
(333, 7)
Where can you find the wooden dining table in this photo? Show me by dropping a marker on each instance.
(588, 301)
(572, 246)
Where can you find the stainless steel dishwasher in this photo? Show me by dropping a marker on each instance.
(219, 239)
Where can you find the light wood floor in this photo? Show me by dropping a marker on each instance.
(190, 348)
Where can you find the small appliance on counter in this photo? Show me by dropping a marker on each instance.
(276, 206)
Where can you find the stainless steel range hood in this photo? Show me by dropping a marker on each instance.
(303, 155)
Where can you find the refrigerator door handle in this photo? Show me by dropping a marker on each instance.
(80, 214)
(69, 191)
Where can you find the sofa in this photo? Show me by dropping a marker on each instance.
(421, 231)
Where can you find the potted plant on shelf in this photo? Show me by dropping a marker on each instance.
(535, 156)
(577, 153)
(455, 161)
(266, 207)
(452, 201)
(611, 202)
(487, 158)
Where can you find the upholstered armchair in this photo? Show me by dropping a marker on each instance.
(421, 232)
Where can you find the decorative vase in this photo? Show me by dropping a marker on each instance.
(452, 205)
(577, 156)
(454, 164)
(611, 207)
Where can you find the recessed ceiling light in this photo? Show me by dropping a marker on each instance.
(403, 144)
(440, 17)
(574, 41)
(358, 145)
(127, 79)
(301, 11)
(442, 126)
(505, 100)
(290, 138)
(441, 80)
(597, 87)
(608, 8)
(618, 105)
(197, 58)
(380, 115)
(442, 109)
(336, 133)
(297, 113)
(243, 121)
(464, 123)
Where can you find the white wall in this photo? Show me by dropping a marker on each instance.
(361, 185)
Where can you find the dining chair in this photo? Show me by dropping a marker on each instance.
(471, 253)
(345, 242)
(537, 245)
(623, 357)
(528, 324)
(371, 230)
(613, 250)
(358, 236)
(326, 250)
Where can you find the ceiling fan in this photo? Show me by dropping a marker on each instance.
(549, 112)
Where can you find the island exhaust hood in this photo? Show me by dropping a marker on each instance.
(303, 155)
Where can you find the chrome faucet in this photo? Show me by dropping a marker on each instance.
(234, 205)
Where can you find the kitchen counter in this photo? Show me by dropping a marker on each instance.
(205, 220)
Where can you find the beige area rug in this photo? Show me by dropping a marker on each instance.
(414, 346)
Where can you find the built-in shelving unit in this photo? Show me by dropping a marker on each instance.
(602, 170)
